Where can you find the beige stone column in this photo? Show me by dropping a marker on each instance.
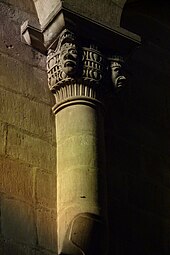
(75, 75)
(79, 75)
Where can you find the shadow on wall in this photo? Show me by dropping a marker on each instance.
(27, 144)
(28, 209)
(137, 139)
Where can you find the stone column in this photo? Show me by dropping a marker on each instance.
(79, 75)
(75, 76)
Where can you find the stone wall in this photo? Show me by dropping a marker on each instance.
(137, 146)
(27, 144)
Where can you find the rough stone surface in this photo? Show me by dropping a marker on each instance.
(105, 12)
(24, 79)
(45, 189)
(25, 6)
(17, 180)
(10, 38)
(2, 138)
(27, 132)
(18, 221)
(82, 188)
(47, 229)
(11, 248)
(27, 114)
(44, 252)
(30, 149)
(137, 131)
(80, 165)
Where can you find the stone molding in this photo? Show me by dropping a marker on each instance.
(45, 36)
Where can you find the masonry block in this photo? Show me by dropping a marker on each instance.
(10, 37)
(20, 81)
(46, 189)
(26, 114)
(2, 247)
(44, 252)
(29, 7)
(2, 138)
(17, 179)
(47, 229)
(31, 149)
(11, 248)
(18, 221)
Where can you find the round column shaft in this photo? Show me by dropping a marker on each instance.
(75, 77)
(80, 169)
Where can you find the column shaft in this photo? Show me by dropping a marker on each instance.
(80, 170)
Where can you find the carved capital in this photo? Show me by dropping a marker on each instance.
(117, 74)
(74, 70)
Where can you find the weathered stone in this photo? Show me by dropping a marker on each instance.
(116, 69)
(141, 230)
(30, 149)
(82, 187)
(17, 179)
(79, 125)
(18, 221)
(10, 39)
(11, 248)
(44, 252)
(104, 20)
(46, 189)
(29, 6)
(2, 247)
(3, 131)
(105, 12)
(76, 80)
(82, 151)
(74, 70)
(47, 229)
(25, 79)
(27, 114)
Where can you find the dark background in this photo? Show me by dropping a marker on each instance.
(137, 138)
